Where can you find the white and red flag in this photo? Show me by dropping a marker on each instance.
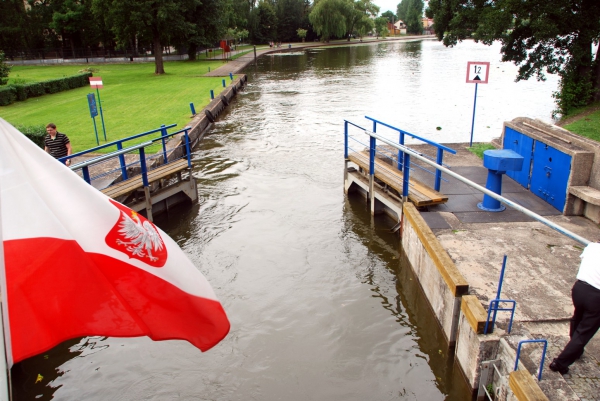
(77, 263)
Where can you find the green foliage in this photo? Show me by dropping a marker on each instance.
(390, 16)
(539, 36)
(8, 95)
(266, 22)
(34, 132)
(478, 149)
(381, 26)
(359, 16)
(4, 69)
(328, 18)
(301, 33)
(411, 12)
(291, 14)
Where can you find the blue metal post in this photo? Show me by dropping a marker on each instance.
(163, 133)
(144, 168)
(193, 109)
(231, 76)
(473, 121)
(187, 149)
(400, 153)
(438, 172)
(345, 139)
(86, 174)
(101, 114)
(406, 176)
(543, 354)
(212, 94)
(224, 84)
(499, 289)
(96, 131)
(122, 161)
(373, 145)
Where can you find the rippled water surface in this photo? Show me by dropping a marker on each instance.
(320, 305)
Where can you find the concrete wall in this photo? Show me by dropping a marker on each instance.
(442, 283)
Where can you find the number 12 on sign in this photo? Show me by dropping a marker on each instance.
(477, 73)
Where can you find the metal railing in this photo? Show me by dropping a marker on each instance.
(144, 163)
(402, 137)
(402, 159)
(410, 152)
(541, 367)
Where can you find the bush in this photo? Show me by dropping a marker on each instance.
(34, 132)
(8, 95)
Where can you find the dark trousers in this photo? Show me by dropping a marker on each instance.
(584, 323)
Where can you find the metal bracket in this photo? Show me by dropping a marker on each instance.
(486, 376)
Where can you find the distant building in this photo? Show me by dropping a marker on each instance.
(428, 26)
(398, 28)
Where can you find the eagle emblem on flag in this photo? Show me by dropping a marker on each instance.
(137, 237)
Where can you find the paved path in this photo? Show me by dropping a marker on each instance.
(236, 66)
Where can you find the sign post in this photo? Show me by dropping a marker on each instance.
(96, 82)
(477, 73)
(93, 113)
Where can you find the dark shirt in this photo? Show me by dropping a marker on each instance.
(57, 147)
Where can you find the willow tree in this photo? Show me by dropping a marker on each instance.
(360, 16)
(328, 18)
(539, 36)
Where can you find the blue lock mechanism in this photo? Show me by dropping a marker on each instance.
(498, 162)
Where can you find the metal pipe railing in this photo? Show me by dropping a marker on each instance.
(486, 191)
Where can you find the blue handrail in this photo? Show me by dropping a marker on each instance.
(84, 166)
(543, 354)
(495, 306)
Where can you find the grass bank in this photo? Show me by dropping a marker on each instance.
(584, 122)
(134, 99)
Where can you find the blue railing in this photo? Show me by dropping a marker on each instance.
(401, 155)
(543, 354)
(402, 160)
(119, 144)
(143, 161)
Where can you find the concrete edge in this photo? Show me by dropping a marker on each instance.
(524, 387)
(474, 313)
(453, 278)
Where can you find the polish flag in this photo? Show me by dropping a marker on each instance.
(77, 263)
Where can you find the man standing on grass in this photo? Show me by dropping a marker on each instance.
(57, 144)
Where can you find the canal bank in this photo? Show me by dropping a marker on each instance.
(456, 251)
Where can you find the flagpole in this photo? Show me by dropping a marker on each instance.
(5, 388)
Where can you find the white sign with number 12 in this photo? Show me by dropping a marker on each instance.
(478, 72)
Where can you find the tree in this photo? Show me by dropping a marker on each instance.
(539, 36)
(73, 20)
(265, 22)
(4, 69)
(301, 33)
(390, 16)
(356, 14)
(207, 22)
(12, 28)
(381, 26)
(157, 21)
(328, 18)
(290, 15)
(411, 12)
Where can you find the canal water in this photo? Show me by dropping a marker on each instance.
(320, 303)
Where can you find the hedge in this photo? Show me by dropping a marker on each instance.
(34, 132)
(19, 92)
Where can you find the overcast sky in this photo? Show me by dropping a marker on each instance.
(385, 5)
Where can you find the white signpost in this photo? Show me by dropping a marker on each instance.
(478, 72)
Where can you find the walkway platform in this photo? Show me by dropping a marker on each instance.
(541, 267)
(419, 193)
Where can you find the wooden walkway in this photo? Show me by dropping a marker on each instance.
(419, 194)
(131, 184)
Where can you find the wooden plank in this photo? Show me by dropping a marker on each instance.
(419, 193)
(524, 387)
(474, 313)
(130, 185)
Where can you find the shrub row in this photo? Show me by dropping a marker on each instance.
(19, 92)
(34, 132)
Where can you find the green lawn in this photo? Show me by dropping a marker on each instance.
(588, 124)
(134, 100)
